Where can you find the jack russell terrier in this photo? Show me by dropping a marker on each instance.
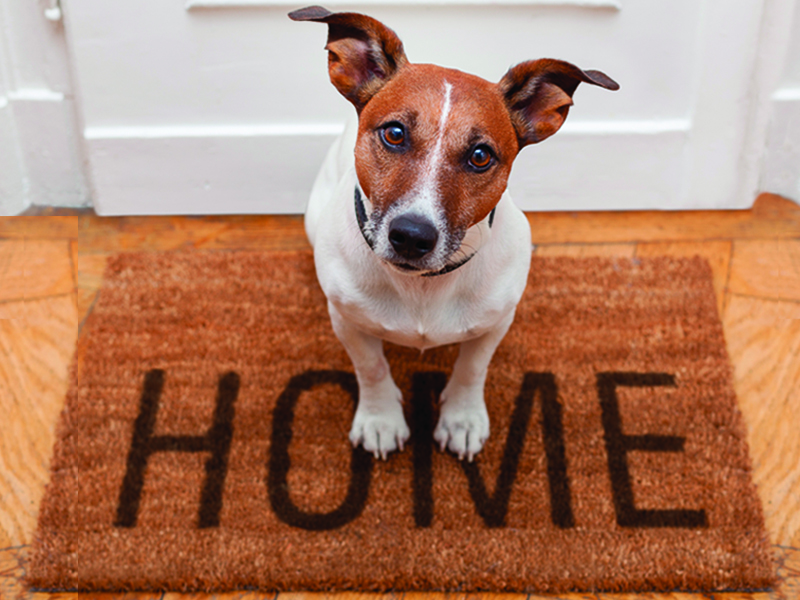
(416, 240)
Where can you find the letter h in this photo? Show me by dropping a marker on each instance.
(217, 441)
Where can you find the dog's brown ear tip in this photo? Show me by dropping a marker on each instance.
(603, 80)
(310, 13)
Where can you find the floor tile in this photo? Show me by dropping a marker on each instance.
(125, 234)
(771, 217)
(766, 268)
(37, 339)
(284, 232)
(763, 339)
(42, 228)
(34, 269)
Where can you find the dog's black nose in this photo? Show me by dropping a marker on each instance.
(412, 236)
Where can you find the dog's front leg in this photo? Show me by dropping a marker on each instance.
(463, 420)
(378, 425)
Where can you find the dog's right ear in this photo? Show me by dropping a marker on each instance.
(363, 54)
(538, 94)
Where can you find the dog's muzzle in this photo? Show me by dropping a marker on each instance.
(414, 237)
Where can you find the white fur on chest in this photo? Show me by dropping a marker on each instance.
(421, 313)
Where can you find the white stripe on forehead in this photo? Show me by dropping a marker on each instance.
(437, 150)
(445, 111)
(428, 184)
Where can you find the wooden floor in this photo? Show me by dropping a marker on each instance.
(51, 268)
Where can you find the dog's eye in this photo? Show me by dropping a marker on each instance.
(393, 135)
(481, 158)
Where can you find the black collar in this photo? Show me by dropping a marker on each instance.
(361, 217)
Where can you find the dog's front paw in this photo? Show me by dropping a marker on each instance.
(379, 425)
(463, 423)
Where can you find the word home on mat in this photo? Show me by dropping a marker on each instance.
(426, 387)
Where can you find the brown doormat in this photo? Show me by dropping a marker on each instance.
(204, 442)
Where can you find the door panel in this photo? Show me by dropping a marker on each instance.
(225, 105)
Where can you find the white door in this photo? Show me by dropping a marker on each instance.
(780, 171)
(224, 106)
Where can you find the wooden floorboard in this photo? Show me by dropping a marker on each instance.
(764, 344)
(36, 342)
(32, 268)
(122, 234)
(771, 217)
(39, 228)
(51, 268)
(766, 269)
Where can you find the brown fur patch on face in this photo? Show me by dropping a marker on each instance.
(477, 115)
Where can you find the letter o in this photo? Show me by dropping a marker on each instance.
(279, 462)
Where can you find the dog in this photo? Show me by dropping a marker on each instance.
(416, 240)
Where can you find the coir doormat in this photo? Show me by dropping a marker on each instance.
(204, 442)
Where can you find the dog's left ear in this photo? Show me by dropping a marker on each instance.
(538, 94)
(363, 54)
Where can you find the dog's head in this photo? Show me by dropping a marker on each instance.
(435, 146)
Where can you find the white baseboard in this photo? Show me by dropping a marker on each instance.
(270, 168)
(191, 171)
